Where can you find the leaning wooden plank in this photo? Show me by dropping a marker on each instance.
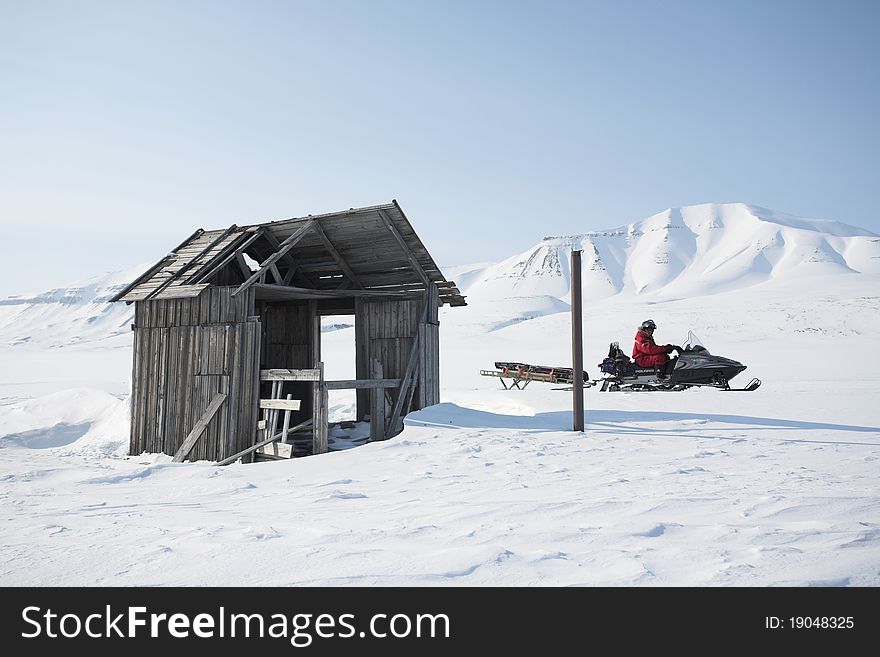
(254, 448)
(394, 420)
(290, 375)
(286, 424)
(280, 404)
(197, 431)
(286, 246)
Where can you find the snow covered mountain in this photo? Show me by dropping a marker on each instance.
(696, 250)
(78, 314)
(689, 251)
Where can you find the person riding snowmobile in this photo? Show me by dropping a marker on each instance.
(648, 353)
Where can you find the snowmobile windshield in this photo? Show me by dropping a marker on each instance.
(693, 343)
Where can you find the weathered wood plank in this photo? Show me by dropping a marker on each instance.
(286, 246)
(360, 384)
(223, 258)
(416, 265)
(319, 414)
(191, 263)
(262, 443)
(421, 380)
(394, 421)
(199, 428)
(290, 375)
(377, 405)
(336, 256)
(319, 446)
(277, 449)
(280, 404)
(254, 351)
(286, 423)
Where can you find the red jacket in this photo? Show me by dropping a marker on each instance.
(648, 353)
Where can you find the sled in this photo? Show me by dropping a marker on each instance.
(520, 375)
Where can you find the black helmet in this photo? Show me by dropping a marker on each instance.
(648, 324)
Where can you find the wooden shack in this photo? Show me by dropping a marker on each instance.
(227, 349)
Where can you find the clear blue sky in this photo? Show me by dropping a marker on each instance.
(126, 125)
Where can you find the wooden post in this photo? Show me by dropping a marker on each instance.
(577, 343)
(320, 414)
(286, 426)
(377, 404)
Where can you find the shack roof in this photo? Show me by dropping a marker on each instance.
(359, 251)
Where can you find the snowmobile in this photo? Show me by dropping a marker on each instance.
(520, 374)
(694, 366)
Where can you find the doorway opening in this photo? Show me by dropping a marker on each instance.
(338, 355)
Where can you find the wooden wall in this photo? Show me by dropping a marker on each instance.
(384, 331)
(188, 350)
(185, 352)
(290, 333)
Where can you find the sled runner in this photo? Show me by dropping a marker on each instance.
(521, 374)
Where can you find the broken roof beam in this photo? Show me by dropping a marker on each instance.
(293, 267)
(406, 250)
(177, 274)
(225, 256)
(349, 274)
(242, 264)
(284, 247)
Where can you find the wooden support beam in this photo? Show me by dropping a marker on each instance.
(305, 292)
(288, 277)
(359, 384)
(193, 436)
(242, 264)
(377, 405)
(292, 265)
(320, 414)
(406, 250)
(262, 443)
(349, 274)
(285, 246)
(279, 280)
(280, 404)
(290, 375)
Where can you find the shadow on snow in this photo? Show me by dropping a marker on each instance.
(454, 416)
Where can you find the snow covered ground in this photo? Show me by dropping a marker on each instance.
(490, 487)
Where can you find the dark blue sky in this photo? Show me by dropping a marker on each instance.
(126, 125)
